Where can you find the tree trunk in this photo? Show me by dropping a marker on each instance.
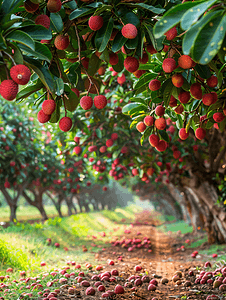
(57, 203)
(13, 209)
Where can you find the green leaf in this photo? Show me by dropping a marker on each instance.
(56, 22)
(151, 8)
(209, 39)
(171, 18)
(59, 86)
(94, 64)
(193, 14)
(140, 45)
(132, 43)
(203, 71)
(164, 135)
(81, 12)
(18, 57)
(136, 120)
(209, 124)
(21, 37)
(146, 134)
(219, 75)
(144, 80)
(56, 114)
(157, 43)
(118, 42)
(168, 86)
(131, 18)
(27, 91)
(120, 65)
(38, 32)
(71, 101)
(41, 51)
(105, 55)
(128, 107)
(3, 45)
(139, 109)
(179, 122)
(99, 133)
(8, 7)
(103, 35)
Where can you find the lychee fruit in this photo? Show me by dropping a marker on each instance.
(95, 22)
(114, 136)
(113, 59)
(185, 62)
(200, 133)
(135, 172)
(196, 91)
(171, 34)
(178, 80)
(77, 150)
(129, 31)
(214, 97)
(30, 6)
(162, 145)
(103, 149)
(131, 64)
(100, 101)
(7, 184)
(119, 289)
(176, 154)
(173, 101)
(8, 89)
(138, 73)
(159, 110)
(150, 171)
(154, 85)
(169, 65)
(144, 58)
(183, 135)
(153, 140)
(218, 117)
(179, 109)
(43, 20)
(65, 124)
(48, 106)
(86, 102)
(160, 123)
(42, 117)
(184, 97)
(121, 79)
(150, 49)
(141, 126)
(109, 142)
(54, 6)
(212, 81)
(61, 41)
(20, 74)
(76, 91)
(207, 99)
(148, 120)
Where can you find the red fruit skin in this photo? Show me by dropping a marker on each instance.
(86, 102)
(141, 126)
(148, 120)
(103, 149)
(183, 135)
(144, 58)
(119, 289)
(173, 101)
(196, 91)
(153, 140)
(212, 81)
(48, 106)
(169, 65)
(65, 124)
(184, 97)
(135, 172)
(113, 59)
(150, 49)
(131, 64)
(162, 145)
(129, 31)
(114, 136)
(154, 85)
(160, 110)
(171, 34)
(54, 6)
(121, 79)
(90, 291)
(77, 150)
(42, 117)
(43, 20)
(179, 109)
(207, 99)
(200, 133)
(176, 154)
(150, 171)
(95, 22)
(185, 62)
(215, 97)
(8, 89)
(109, 142)
(20, 74)
(138, 73)
(160, 123)
(177, 80)
(30, 6)
(61, 42)
(100, 101)
(76, 91)
(218, 117)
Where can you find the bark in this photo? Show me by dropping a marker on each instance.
(57, 203)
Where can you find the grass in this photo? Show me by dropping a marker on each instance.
(175, 227)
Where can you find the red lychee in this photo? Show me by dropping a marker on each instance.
(218, 117)
(42, 117)
(144, 58)
(48, 106)
(92, 148)
(113, 59)
(95, 22)
(8, 89)
(207, 99)
(150, 49)
(173, 101)
(150, 171)
(171, 34)
(148, 120)
(77, 150)
(185, 62)
(43, 20)
(160, 110)
(20, 74)
(119, 289)
(176, 154)
(153, 140)
(179, 109)
(212, 81)
(141, 126)
(154, 85)
(200, 133)
(30, 6)
(121, 79)
(160, 123)
(178, 80)
(131, 64)
(114, 136)
(103, 149)
(86, 102)
(183, 135)
(54, 6)
(109, 142)
(129, 31)
(184, 97)
(196, 91)
(76, 91)
(214, 97)
(169, 65)
(7, 184)
(65, 124)
(139, 73)
(61, 41)
(162, 145)
(100, 101)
